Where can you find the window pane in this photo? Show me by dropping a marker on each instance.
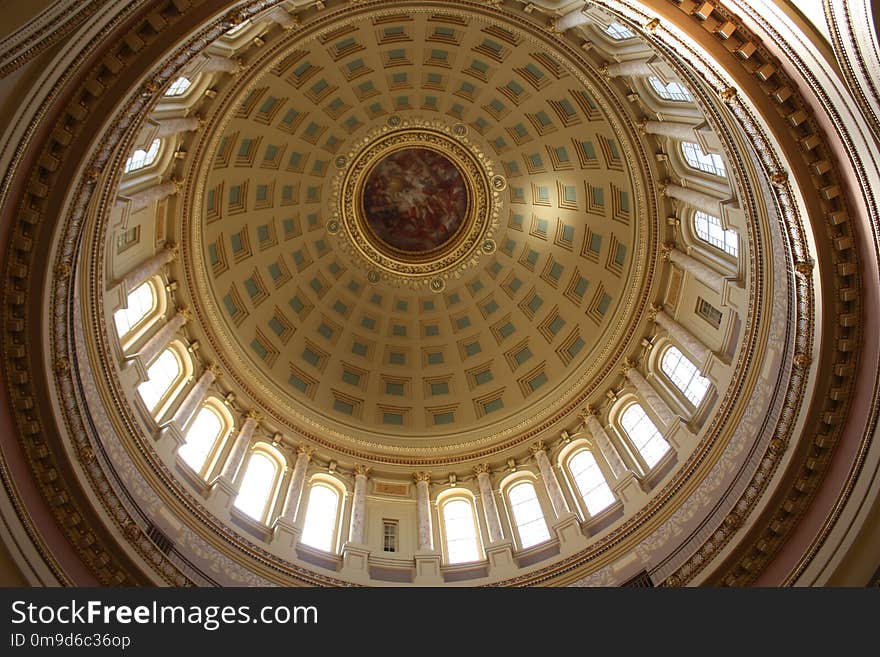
(178, 87)
(685, 375)
(671, 91)
(321, 515)
(619, 32)
(161, 375)
(143, 158)
(461, 532)
(141, 301)
(256, 486)
(644, 435)
(590, 482)
(708, 228)
(527, 515)
(200, 438)
(708, 162)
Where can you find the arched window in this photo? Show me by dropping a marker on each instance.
(644, 434)
(140, 304)
(179, 87)
(162, 376)
(322, 517)
(697, 159)
(527, 514)
(201, 438)
(257, 485)
(708, 228)
(143, 158)
(460, 531)
(685, 375)
(671, 91)
(619, 32)
(590, 482)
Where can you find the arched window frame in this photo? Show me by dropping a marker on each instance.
(695, 158)
(670, 387)
(512, 481)
(617, 412)
(185, 373)
(280, 463)
(227, 426)
(443, 499)
(136, 163)
(726, 251)
(327, 481)
(158, 309)
(174, 89)
(678, 95)
(564, 461)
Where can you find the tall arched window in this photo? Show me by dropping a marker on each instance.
(179, 87)
(257, 485)
(685, 375)
(527, 514)
(590, 482)
(140, 304)
(460, 531)
(697, 159)
(322, 517)
(143, 158)
(671, 91)
(201, 438)
(708, 228)
(644, 434)
(162, 376)
(619, 32)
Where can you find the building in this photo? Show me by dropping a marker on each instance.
(440, 293)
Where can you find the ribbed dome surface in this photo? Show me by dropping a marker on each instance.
(516, 335)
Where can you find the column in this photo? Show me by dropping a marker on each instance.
(297, 483)
(674, 129)
(603, 443)
(698, 200)
(240, 447)
(194, 398)
(649, 395)
(568, 21)
(143, 198)
(423, 505)
(224, 488)
(637, 67)
(359, 505)
(149, 268)
(689, 343)
(160, 339)
(490, 509)
(171, 127)
(221, 64)
(554, 490)
(626, 484)
(697, 269)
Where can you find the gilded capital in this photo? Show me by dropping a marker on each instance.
(652, 25)
(666, 249)
(779, 179)
(728, 94)
(173, 250)
(184, 312)
(214, 369)
(252, 415)
(804, 267)
(628, 364)
(481, 468)
(422, 476)
(603, 69)
(308, 450)
(536, 447)
(653, 311)
(361, 470)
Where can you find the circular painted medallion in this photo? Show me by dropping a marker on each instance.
(415, 200)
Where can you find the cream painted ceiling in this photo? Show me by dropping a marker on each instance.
(519, 334)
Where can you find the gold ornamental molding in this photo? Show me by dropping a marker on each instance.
(45, 454)
(429, 269)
